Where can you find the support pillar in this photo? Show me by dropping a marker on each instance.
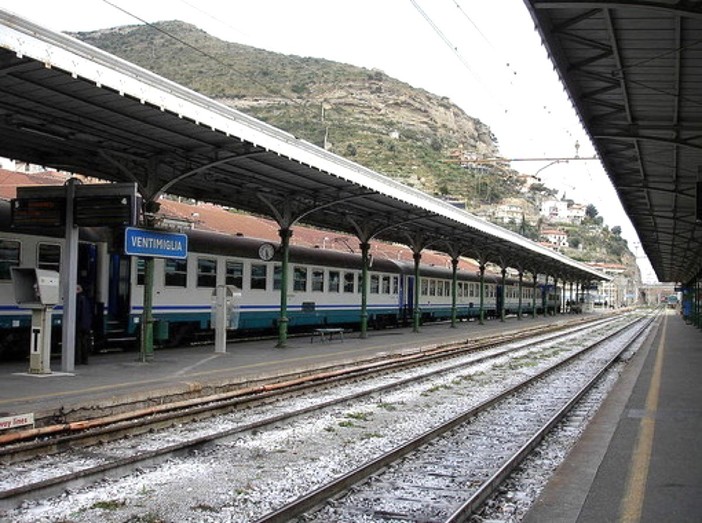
(503, 295)
(69, 278)
(365, 249)
(146, 351)
(533, 297)
(454, 291)
(521, 285)
(416, 316)
(481, 314)
(285, 234)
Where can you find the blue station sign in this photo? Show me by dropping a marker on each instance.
(157, 244)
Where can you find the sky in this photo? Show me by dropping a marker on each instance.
(484, 55)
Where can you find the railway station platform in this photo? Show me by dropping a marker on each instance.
(640, 458)
(114, 382)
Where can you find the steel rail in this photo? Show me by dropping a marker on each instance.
(470, 506)
(59, 437)
(335, 487)
(57, 484)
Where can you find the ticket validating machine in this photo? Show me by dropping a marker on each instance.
(225, 313)
(38, 290)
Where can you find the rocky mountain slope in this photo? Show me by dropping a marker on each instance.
(364, 115)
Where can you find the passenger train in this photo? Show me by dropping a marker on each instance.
(324, 288)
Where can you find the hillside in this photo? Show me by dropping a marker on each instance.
(364, 115)
(421, 139)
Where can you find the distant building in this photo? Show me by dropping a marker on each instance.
(576, 213)
(554, 210)
(555, 237)
(561, 211)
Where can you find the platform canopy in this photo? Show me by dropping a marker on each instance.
(70, 106)
(634, 73)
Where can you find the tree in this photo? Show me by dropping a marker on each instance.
(617, 230)
(591, 211)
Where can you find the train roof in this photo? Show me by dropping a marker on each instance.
(228, 245)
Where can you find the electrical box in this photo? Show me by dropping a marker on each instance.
(35, 288)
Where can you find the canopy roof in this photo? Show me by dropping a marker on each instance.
(73, 107)
(634, 73)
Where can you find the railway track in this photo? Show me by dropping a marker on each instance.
(59, 437)
(140, 457)
(447, 473)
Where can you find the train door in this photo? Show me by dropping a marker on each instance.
(408, 308)
(118, 301)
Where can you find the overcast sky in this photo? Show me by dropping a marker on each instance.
(482, 54)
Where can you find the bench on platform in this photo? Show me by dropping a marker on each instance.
(327, 334)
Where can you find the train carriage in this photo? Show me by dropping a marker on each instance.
(324, 288)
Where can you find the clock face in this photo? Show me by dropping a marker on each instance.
(266, 251)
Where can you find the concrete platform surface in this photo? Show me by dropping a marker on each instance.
(119, 378)
(640, 459)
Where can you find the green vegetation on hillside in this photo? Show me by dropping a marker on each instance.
(361, 114)
(416, 137)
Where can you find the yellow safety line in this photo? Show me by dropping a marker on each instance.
(632, 503)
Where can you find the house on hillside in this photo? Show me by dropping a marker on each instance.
(555, 237)
(554, 210)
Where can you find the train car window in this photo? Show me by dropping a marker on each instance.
(439, 288)
(207, 272)
(234, 274)
(424, 287)
(349, 282)
(386, 285)
(375, 284)
(49, 256)
(300, 279)
(334, 281)
(317, 280)
(9, 257)
(259, 275)
(432, 287)
(140, 270)
(176, 273)
(396, 285)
